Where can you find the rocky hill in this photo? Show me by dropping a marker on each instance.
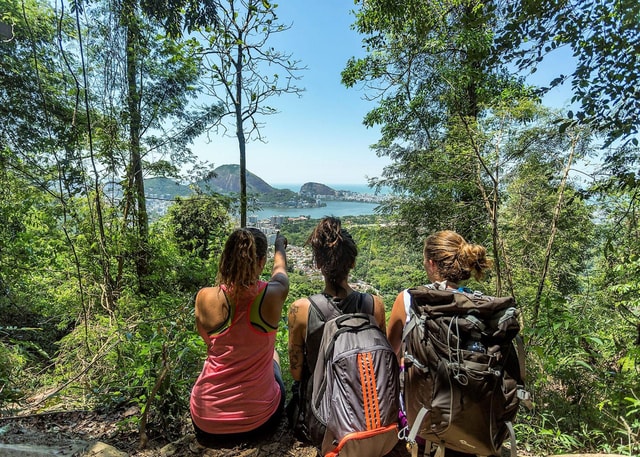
(314, 188)
(227, 180)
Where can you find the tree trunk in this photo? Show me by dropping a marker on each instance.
(108, 286)
(554, 230)
(136, 178)
(241, 139)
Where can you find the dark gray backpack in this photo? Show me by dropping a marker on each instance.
(464, 378)
(355, 397)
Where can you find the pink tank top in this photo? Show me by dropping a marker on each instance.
(236, 391)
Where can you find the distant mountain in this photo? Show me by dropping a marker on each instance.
(161, 192)
(313, 188)
(165, 187)
(227, 180)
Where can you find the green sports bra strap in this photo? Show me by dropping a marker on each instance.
(256, 318)
(227, 322)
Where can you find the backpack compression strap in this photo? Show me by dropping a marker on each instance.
(412, 445)
(523, 395)
(411, 438)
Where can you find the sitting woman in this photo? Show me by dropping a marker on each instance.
(334, 253)
(449, 261)
(239, 393)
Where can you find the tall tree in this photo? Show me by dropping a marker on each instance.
(172, 16)
(36, 110)
(429, 65)
(145, 125)
(244, 71)
(130, 20)
(546, 224)
(603, 37)
(41, 126)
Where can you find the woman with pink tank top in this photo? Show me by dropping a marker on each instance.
(239, 393)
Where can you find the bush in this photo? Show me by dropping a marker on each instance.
(12, 365)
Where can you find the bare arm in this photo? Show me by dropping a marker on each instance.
(279, 271)
(278, 284)
(297, 323)
(211, 310)
(379, 312)
(395, 326)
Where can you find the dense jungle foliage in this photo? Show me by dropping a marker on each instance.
(96, 298)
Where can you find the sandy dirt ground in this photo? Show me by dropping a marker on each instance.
(66, 432)
(81, 433)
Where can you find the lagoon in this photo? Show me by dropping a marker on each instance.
(333, 208)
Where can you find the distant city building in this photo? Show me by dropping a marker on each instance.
(297, 219)
(276, 220)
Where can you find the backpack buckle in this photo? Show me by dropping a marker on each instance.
(524, 396)
(410, 361)
(412, 447)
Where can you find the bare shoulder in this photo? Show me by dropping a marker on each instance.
(207, 300)
(301, 304)
(207, 294)
(378, 301)
(298, 312)
(378, 305)
(379, 311)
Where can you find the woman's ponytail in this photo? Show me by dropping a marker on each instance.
(240, 261)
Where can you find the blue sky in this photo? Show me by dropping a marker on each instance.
(320, 136)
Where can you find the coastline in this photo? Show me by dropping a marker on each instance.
(337, 208)
(357, 188)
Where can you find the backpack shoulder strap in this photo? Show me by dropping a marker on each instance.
(321, 310)
(355, 302)
(364, 304)
(324, 308)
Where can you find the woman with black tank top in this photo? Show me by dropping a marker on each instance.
(334, 254)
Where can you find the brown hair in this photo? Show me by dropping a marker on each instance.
(240, 261)
(455, 259)
(334, 251)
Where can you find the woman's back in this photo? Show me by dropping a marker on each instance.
(240, 387)
(235, 391)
